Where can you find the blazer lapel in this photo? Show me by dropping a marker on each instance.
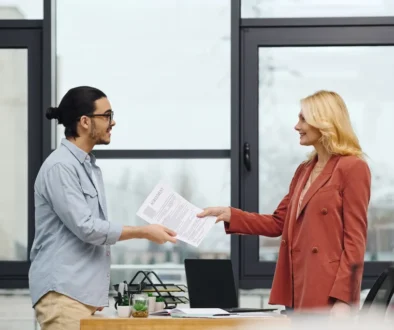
(297, 193)
(319, 181)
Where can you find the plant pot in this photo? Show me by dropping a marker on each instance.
(140, 306)
(159, 305)
(123, 311)
(152, 304)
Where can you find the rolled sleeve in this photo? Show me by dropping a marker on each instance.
(114, 232)
(68, 202)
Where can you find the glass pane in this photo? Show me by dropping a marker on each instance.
(164, 65)
(21, 9)
(314, 8)
(13, 174)
(289, 74)
(203, 182)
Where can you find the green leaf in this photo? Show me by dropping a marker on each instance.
(140, 306)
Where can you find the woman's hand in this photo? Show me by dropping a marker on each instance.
(221, 213)
(340, 309)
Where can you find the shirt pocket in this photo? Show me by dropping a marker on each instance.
(91, 196)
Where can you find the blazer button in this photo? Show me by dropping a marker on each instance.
(284, 242)
(324, 211)
(315, 250)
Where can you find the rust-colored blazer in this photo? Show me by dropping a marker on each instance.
(320, 245)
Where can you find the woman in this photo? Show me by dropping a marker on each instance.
(322, 219)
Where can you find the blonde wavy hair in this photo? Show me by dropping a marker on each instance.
(327, 111)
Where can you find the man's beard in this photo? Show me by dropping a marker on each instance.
(96, 136)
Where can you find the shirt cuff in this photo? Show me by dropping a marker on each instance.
(114, 232)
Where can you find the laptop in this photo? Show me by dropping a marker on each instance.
(211, 284)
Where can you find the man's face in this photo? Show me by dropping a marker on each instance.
(101, 123)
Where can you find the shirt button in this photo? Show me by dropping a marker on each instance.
(107, 274)
(108, 253)
(324, 211)
(315, 250)
(284, 242)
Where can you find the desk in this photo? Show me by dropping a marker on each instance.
(168, 323)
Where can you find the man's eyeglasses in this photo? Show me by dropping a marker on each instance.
(109, 115)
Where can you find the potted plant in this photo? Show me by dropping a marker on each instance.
(140, 306)
(160, 303)
(123, 306)
(152, 302)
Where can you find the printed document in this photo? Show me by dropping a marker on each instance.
(215, 313)
(166, 207)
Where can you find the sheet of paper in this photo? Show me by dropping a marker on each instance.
(199, 312)
(166, 207)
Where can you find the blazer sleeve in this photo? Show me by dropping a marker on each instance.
(356, 196)
(271, 225)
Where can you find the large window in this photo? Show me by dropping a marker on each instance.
(201, 181)
(283, 60)
(13, 175)
(20, 111)
(166, 74)
(173, 70)
(298, 72)
(165, 67)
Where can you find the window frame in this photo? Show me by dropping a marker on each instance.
(249, 272)
(26, 34)
(289, 32)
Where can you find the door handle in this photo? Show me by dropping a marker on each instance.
(247, 161)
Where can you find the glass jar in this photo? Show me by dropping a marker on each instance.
(140, 306)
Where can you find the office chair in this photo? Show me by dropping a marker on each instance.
(381, 292)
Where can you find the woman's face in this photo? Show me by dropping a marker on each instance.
(309, 135)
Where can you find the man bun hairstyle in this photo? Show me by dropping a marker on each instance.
(77, 102)
(53, 113)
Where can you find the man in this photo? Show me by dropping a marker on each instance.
(70, 256)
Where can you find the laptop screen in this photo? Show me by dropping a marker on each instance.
(210, 283)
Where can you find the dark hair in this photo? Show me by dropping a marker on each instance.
(77, 102)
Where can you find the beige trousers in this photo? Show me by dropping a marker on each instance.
(55, 311)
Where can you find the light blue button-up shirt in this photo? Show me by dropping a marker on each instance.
(71, 249)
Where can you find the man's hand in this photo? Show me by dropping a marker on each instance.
(221, 213)
(158, 234)
(155, 233)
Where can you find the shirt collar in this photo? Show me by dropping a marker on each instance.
(79, 154)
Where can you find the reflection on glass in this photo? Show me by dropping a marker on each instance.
(13, 174)
(362, 76)
(315, 8)
(202, 182)
(168, 82)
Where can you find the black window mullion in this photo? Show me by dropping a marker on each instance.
(162, 154)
